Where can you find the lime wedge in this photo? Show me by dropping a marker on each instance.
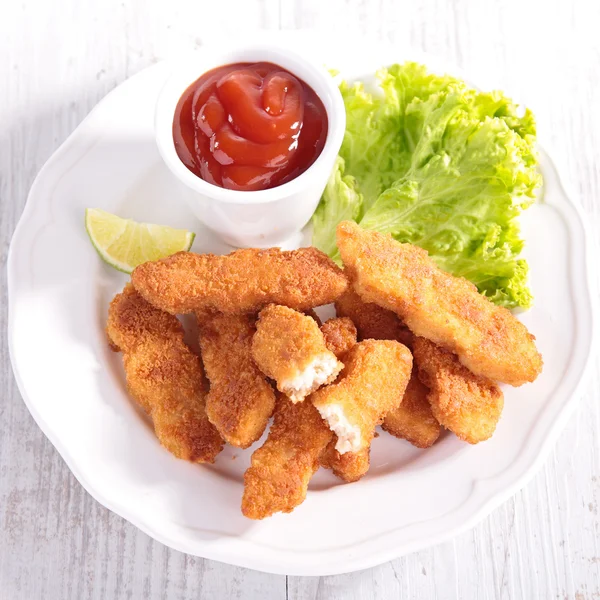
(124, 244)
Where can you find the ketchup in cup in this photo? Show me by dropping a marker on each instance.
(249, 126)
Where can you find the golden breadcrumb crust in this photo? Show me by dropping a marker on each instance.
(243, 281)
(240, 401)
(467, 404)
(163, 375)
(448, 310)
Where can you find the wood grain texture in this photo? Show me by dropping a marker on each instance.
(57, 59)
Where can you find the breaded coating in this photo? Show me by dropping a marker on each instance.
(413, 420)
(467, 404)
(339, 335)
(240, 401)
(372, 383)
(243, 281)
(350, 466)
(372, 321)
(163, 375)
(281, 468)
(448, 310)
(289, 347)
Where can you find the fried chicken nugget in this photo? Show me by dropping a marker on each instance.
(289, 347)
(467, 404)
(163, 375)
(372, 383)
(350, 466)
(243, 281)
(372, 321)
(240, 401)
(340, 336)
(277, 480)
(413, 420)
(448, 310)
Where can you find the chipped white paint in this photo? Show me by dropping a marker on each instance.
(57, 59)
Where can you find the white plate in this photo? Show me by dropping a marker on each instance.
(73, 384)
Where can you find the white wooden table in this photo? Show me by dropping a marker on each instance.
(57, 59)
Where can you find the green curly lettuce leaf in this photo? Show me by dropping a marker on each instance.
(341, 201)
(439, 165)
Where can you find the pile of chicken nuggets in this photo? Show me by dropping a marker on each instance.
(412, 349)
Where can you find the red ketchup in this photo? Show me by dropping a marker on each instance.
(249, 126)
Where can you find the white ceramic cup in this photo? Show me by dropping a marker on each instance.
(258, 218)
